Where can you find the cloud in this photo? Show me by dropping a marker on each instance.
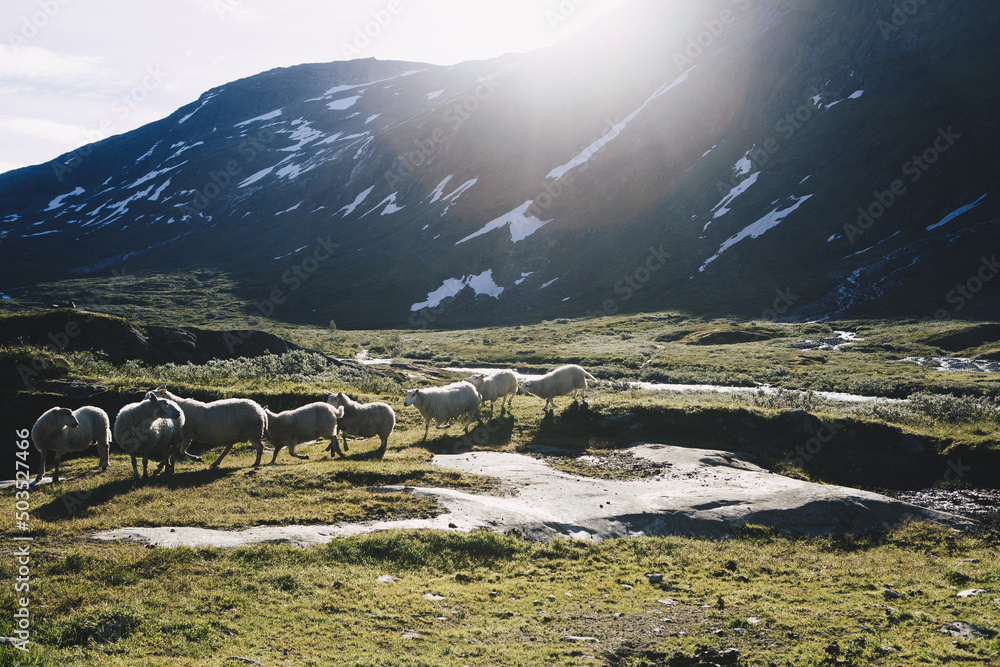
(46, 130)
(42, 65)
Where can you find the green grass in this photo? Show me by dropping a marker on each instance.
(801, 601)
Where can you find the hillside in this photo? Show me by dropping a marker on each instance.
(773, 159)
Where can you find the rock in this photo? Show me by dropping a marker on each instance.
(245, 660)
(552, 598)
(889, 593)
(387, 579)
(432, 597)
(576, 638)
(962, 630)
(668, 602)
(537, 603)
(627, 587)
(970, 593)
(740, 631)
(655, 578)
(410, 634)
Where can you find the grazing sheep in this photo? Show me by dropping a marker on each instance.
(305, 424)
(219, 423)
(62, 430)
(364, 420)
(502, 385)
(444, 404)
(561, 381)
(149, 426)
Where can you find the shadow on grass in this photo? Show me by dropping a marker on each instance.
(496, 432)
(69, 502)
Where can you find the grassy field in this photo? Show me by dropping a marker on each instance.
(487, 599)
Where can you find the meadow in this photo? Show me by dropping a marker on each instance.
(489, 599)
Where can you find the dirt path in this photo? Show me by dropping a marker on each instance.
(697, 492)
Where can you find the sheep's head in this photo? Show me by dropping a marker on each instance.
(525, 387)
(411, 396)
(335, 399)
(64, 417)
(164, 409)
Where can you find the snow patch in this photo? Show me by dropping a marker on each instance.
(957, 212)
(372, 117)
(548, 283)
(267, 116)
(343, 104)
(357, 202)
(482, 284)
(435, 94)
(156, 195)
(524, 276)
(521, 225)
(439, 190)
(59, 201)
(289, 210)
(768, 222)
(589, 152)
(154, 174)
(721, 208)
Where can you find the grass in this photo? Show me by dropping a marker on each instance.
(800, 601)
(497, 600)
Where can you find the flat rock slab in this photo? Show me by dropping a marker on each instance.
(700, 492)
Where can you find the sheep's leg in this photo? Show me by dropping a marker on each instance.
(135, 468)
(41, 470)
(102, 452)
(277, 448)
(216, 462)
(55, 471)
(346, 448)
(259, 446)
(145, 461)
(427, 426)
(335, 448)
(184, 451)
(468, 422)
(383, 446)
(291, 450)
(448, 425)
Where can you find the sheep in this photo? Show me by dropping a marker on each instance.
(445, 403)
(364, 420)
(502, 385)
(305, 424)
(561, 381)
(151, 425)
(62, 430)
(220, 423)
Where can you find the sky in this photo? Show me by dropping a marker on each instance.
(76, 71)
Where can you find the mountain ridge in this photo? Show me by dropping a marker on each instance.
(720, 159)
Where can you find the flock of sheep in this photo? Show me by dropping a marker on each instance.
(165, 424)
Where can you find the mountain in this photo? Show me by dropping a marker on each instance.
(773, 159)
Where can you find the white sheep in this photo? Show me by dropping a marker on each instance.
(150, 426)
(561, 381)
(305, 424)
(220, 423)
(444, 404)
(364, 420)
(61, 430)
(502, 385)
